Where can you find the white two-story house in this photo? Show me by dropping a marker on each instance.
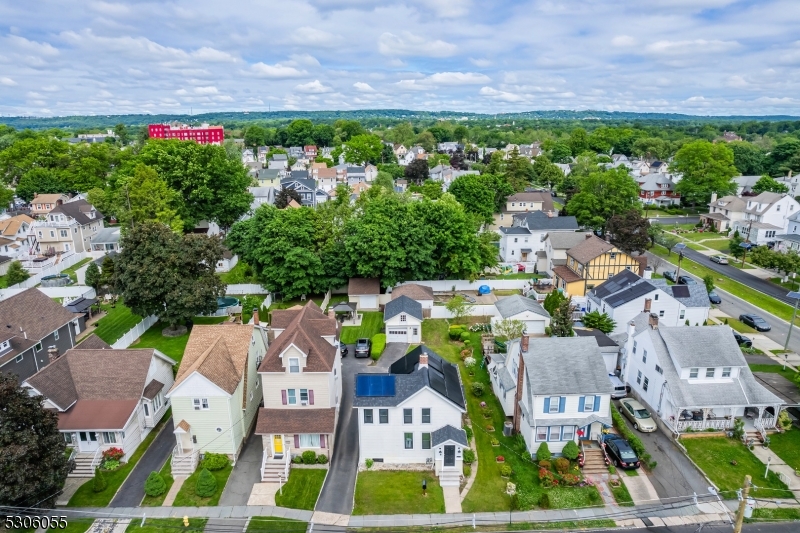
(216, 392)
(723, 212)
(301, 376)
(766, 216)
(694, 378)
(412, 415)
(791, 239)
(521, 242)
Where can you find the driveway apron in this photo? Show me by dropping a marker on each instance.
(245, 474)
(131, 493)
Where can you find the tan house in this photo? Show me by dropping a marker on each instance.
(301, 378)
(523, 202)
(364, 292)
(44, 203)
(217, 391)
(592, 262)
(16, 229)
(724, 212)
(68, 227)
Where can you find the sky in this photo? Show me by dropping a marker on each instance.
(704, 57)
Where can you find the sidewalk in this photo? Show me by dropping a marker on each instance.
(777, 465)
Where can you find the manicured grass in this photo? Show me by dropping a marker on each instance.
(116, 323)
(71, 271)
(785, 513)
(237, 275)
(697, 236)
(270, 523)
(371, 323)
(787, 446)
(621, 495)
(488, 490)
(157, 501)
(3, 282)
(506, 292)
(720, 245)
(752, 296)
(788, 373)
(172, 347)
(159, 525)
(302, 489)
(397, 492)
(714, 455)
(85, 496)
(791, 285)
(187, 497)
(554, 525)
(336, 299)
(739, 326)
(695, 246)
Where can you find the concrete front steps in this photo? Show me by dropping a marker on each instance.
(595, 462)
(449, 478)
(273, 472)
(83, 465)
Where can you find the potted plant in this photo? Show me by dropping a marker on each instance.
(501, 459)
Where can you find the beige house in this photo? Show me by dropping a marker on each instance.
(68, 227)
(16, 229)
(44, 203)
(216, 392)
(364, 292)
(523, 202)
(724, 212)
(302, 381)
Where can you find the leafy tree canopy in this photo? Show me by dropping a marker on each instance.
(768, 184)
(363, 149)
(629, 231)
(602, 195)
(707, 168)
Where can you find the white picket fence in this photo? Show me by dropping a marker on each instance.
(64, 264)
(68, 293)
(134, 333)
(326, 300)
(246, 288)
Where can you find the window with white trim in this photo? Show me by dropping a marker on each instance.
(659, 370)
(294, 365)
(408, 438)
(645, 384)
(291, 394)
(368, 416)
(55, 335)
(426, 415)
(555, 433)
(541, 433)
(555, 402)
(726, 371)
(588, 403)
(200, 404)
(710, 372)
(403, 317)
(408, 416)
(304, 396)
(309, 440)
(567, 432)
(693, 373)
(644, 356)
(639, 377)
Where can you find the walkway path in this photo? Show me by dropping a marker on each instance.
(131, 492)
(173, 490)
(452, 500)
(779, 466)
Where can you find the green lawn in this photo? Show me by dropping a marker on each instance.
(621, 495)
(302, 489)
(553, 525)
(488, 491)
(157, 501)
(791, 285)
(270, 523)
(739, 326)
(720, 245)
(785, 513)
(371, 324)
(756, 298)
(238, 275)
(71, 270)
(787, 446)
(159, 525)
(286, 304)
(172, 346)
(788, 373)
(85, 496)
(714, 455)
(187, 497)
(397, 492)
(116, 323)
(697, 236)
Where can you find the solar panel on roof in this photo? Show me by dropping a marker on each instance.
(680, 291)
(435, 362)
(453, 386)
(437, 383)
(629, 294)
(378, 385)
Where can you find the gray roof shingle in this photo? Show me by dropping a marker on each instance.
(537, 220)
(448, 432)
(514, 305)
(565, 365)
(698, 297)
(403, 304)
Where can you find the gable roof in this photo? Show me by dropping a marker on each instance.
(305, 330)
(33, 312)
(448, 432)
(217, 352)
(403, 304)
(79, 210)
(603, 340)
(48, 198)
(564, 240)
(766, 199)
(565, 365)
(439, 375)
(702, 347)
(538, 220)
(93, 342)
(689, 295)
(413, 291)
(616, 283)
(731, 203)
(589, 248)
(516, 304)
(10, 226)
(544, 197)
(363, 286)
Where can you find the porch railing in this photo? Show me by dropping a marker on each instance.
(264, 462)
(96, 459)
(701, 425)
(763, 424)
(286, 463)
(181, 459)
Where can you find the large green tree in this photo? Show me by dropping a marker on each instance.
(769, 184)
(32, 450)
(748, 158)
(142, 197)
(707, 168)
(602, 195)
(255, 136)
(629, 231)
(476, 194)
(172, 276)
(363, 149)
(300, 133)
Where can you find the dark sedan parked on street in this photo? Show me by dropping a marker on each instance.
(714, 298)
(686, 280)
(755, 322)
(363, 347)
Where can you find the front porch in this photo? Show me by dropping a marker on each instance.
(184, 454)
(756, 419)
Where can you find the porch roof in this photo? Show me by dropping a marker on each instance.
(97, 415)
(447, 433)
(578, 421)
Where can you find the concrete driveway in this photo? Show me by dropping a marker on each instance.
(245, 474)
(340, 485)
(674, 475)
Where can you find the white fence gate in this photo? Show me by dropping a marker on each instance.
(134, 333)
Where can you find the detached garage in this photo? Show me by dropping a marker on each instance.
(403, 318)
(364, 293)
(527, 310)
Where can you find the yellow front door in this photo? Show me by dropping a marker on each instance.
(277, 444)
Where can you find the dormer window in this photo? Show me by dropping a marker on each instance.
(294, 365)
(726, 371)
(710, 372)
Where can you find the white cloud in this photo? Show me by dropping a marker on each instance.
(206, 90)
(307, 35)
(697, 46)
(306, 60)
(108, 8)
(483, 63)
(458, 78)
(502, 96)
(313, 87)
(623, 40)
(409, 44)
(363, 87)
(23, 44)
(277, 71)
(8, 82)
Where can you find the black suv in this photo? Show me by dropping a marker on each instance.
(686, 280)
(343, 349)
(755, 322)
(620, 452)
(743, 341)
(363, 347)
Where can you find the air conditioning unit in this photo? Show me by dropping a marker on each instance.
(303, 403)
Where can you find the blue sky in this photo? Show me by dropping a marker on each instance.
(685, 56)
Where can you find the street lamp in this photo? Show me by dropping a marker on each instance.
(796, 296)
(680, 247)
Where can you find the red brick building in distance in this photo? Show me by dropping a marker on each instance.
(203, 134)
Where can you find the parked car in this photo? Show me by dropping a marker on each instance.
(363, 347)
(743, 341)
(714, 298)
(638, 415)
(721, 259)
(620, 390)
(755, 322)
(670, 275)
(620, 452)
(686, 280)
(343, 348)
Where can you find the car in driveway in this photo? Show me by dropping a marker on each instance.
(714, 298)
(620, 452)
(670, 275)
(686, 280)
(755, 322)
(343, 348)
(638, 415)
(720, 259)
(363, 347)
(743, 341)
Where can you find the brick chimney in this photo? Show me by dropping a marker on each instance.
(524, 342)
(52, 353)
(423, 360)
(255, 316)
(647, 303)
(653, 321)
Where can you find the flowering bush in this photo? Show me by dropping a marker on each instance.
(113, 454)
(469, 362)
(548, 479)
(511, 488)
(480, 327)
(571, 479)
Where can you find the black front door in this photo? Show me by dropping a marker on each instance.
(449, 456)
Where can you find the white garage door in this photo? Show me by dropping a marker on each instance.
(369, 302)
(396, 335)
(534, 326)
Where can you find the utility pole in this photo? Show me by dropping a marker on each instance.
(737, 528)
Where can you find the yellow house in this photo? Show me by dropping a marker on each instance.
(592, 262)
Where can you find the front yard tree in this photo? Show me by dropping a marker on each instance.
(145, 197)
(16, 273)
(32, 451)
(708, 279)
(508, 328)
(707, 168)
(602, 195)
(629, 231)
(159, 272)
(552, 301)
(417, 171)
(596, 320)
(561, 323)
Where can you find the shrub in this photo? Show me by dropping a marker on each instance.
(99, 481)
(547, 478)
(545, 464)
(571, 479)
(469, 362)
(378, 345)
(309, 457)
(490, 428)
(214, 461)
(543, 453)
(632, 439)
(110, 465)
(562, 465)
(468, 431)
(738, 428)
(571, 450)
(455, 332)
(297, 460)
(467, 342)
(478, 389)
(464, 335)
(495, 442)
(467, 470)
(206, 484)
(322, 459)
(113, 454)
(469, 456)
(784, 422)
(487, 412)
(505, 470)
(544, 501)
(369, 463)
(155, 485)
